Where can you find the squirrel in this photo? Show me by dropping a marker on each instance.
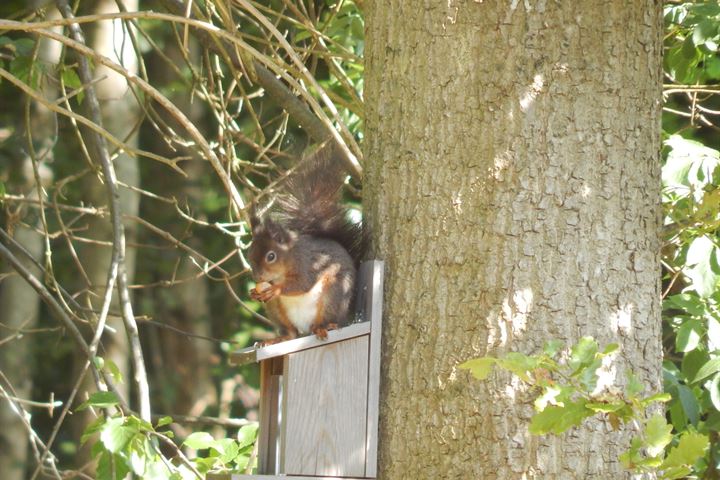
(305, 251)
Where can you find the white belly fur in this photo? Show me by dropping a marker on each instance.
(301, 310)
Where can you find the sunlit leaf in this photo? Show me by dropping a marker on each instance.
(100, 400)
(247, 435)
(519, 364)
(582, 354)
(556, 419)
(714, 389)
(199, 440)
(480, 368)
(115, 435)
(657, 435)
(552, 347)
(690, 449)
(710, 368)
(688, 336)
(164, 421)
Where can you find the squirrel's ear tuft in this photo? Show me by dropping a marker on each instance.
(277, 232)
(252, 215)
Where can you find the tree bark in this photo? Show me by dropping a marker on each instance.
(19, 303)
(120, 114)
(513, 187)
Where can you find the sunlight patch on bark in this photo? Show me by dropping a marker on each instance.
(532, 92)
(621, 320)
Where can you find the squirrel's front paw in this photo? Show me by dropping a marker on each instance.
(321, 331)
(264, 291)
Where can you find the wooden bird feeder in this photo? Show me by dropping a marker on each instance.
(319, 398)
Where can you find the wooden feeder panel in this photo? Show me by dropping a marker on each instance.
(319, 398)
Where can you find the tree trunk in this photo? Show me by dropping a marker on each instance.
(120, 114)
(19, 303)
(513, 187)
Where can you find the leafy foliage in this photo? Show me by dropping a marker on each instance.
(691, 250)
(694, 36)
(568, 394)
(126, 444)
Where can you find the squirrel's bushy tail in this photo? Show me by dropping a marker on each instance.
(311, 203)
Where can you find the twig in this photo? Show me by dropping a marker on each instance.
(48, 405)
(117, 268)
(47, 297)
(191, 419)
(24, 415)
(238, 204)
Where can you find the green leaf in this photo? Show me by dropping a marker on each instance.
(72, 80)
(548, 397)
(704, 32)
(138, 424)
(157, 469)
(588, 375)
(692, 304)
(480, 368)
(603, 407)
(115, 435)
(676, 472)
(100, 400)
(241, 461)
(658, 397)
(700, 270)
(657, 435)
(687, 161)
(690, 449)
(139, 461)
(692, 362)
(199, 440)
(519, 364)
(552, 347)
(634, 385)
(710, 368)
(713, 334)
(689, 402)
(114, 370)
(227, 448)
(677, 415)
(702, 279)
(94, 427)
(556, 419)
(700, 250)
(26, 70)
(633, 455)
(110, 463)
(714, 389)
(164, 421)
(610, 348)
(688, 336)
(712, 67)
(24, 46)
(582, 355)
(247, 435)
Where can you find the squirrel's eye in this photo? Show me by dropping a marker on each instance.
(270, 256)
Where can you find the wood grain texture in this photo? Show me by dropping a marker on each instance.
(268, 435)
(513, 187)
(373, 272)
(324, 410)
(226, 476)
(257, 354)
